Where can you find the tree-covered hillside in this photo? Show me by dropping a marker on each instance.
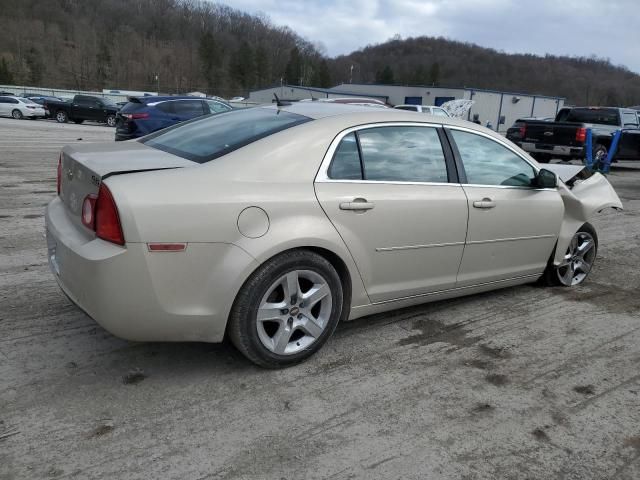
(200, 45)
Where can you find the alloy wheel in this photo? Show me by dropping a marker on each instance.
(577, 262)
(294, 312)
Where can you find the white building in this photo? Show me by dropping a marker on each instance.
(499, 109)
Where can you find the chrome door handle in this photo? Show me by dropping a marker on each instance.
(357, 204)
(484, 203)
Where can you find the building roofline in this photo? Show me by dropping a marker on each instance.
(468, 89)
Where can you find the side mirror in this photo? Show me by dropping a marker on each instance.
(545, 179)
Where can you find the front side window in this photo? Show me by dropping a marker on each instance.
(205, 139)
(487, 162)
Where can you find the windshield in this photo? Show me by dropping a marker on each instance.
(204, 139)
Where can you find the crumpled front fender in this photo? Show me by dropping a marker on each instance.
(581, 203)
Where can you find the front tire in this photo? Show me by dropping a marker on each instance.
(17, 114)
(61, 117)
(599, 155)
(577, 261)
(286, 310)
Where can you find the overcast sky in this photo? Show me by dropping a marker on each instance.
(606, 28)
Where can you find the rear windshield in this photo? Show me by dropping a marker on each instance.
(602, 116)
(205, 139)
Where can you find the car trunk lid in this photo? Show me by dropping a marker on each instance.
(84, 167)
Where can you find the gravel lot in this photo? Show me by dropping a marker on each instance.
(522, 383)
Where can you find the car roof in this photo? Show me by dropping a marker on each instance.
(154, 98)
(367, 114)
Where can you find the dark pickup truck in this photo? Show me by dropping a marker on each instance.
(565, 138)
(81, 108)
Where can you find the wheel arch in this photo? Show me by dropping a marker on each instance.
(332, 257)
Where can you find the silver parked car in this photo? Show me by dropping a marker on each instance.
(272, 224)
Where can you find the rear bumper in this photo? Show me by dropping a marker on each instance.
(121, 136)
(557, 150)
(143, 296)
(34, 113)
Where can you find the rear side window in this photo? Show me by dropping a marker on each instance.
(602, 116)
(166, 107)
(188, 107)
(390, 154)
(402, 154)
(346, 160)
(439, 112)
(202, 140)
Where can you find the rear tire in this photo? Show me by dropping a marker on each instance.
(17, 114)
(577, 262)
(111, 120)
(62, 117)
(270, 323)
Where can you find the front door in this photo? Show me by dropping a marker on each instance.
(388, 194)
(513, 226)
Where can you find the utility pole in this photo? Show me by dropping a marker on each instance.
(351, 74)
(157, 84)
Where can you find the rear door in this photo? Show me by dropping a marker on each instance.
(4, 106)
(513, 226)
(390, 191)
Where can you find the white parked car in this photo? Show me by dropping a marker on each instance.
(19, 108)
(430, 109)
(269, 225)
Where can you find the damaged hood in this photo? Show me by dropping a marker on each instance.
(582, 201)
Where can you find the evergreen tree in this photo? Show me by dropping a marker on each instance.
(243, 68)
(385, 76)
(6, 77)
(293, 72)
(434, 74)
(322, 75)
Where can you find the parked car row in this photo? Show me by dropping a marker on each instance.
(135, 118)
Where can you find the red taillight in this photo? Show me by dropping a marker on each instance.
(59, 177)
(106, 218)
(581, 134)
(135, 116)
(523, 131)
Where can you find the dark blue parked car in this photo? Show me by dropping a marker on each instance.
(143, 115)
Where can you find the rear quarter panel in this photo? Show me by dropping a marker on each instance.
(202, 203)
